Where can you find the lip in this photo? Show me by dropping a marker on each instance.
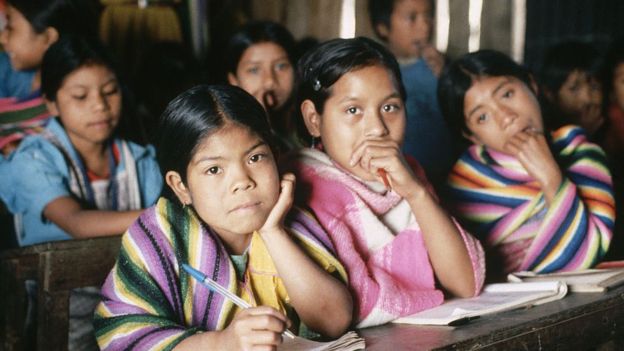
(100, 124)
(247, 206)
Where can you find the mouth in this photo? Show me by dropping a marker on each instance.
(247, 206)
(101, 124)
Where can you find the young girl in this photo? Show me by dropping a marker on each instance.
(226, 213)
(395, 241)
(77, 179)
(539, 201)
(260, 59)
(32, 26)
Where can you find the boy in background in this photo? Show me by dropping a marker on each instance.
(405, 26)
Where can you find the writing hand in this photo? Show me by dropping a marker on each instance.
(254, 328)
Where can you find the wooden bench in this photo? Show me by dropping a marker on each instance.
(58, 267)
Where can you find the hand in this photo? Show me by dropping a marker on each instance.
(373, 154)
(531, 149)
(254, 329)
(434, 59)
(275, 220)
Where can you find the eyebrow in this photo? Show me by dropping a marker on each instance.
(213, 158)
(254, 62)
(498, 87)
(112, 80)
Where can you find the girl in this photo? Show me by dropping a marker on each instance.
(394, 243)
(77, 179)
(32, 26)
(540, 201)
(260, 59)
(226, 213)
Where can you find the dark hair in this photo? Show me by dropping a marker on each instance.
(66, 16)
(564, 58)
(258, 32)
(198, 113)
(321, 67)
(380, 12)
(66, 56)
(458, 77)
(613, 58)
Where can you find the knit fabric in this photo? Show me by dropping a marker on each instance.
(505, 207)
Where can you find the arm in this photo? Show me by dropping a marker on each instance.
(322, 302)
(67, 213)
(447, 250)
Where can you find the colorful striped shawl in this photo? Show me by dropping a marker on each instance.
(389, 272)
(149, 302)
(505, 207)
(21, 118)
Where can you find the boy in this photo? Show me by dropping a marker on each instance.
(405, 26)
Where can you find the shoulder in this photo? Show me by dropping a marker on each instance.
(139, 151)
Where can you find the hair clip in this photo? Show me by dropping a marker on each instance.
(317, 85)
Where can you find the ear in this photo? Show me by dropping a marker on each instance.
(51, 35)
(382, 30)
(174, 181)
(473, 138)
(535, 87)
(52, 108)
(232, 79)
(311, 118)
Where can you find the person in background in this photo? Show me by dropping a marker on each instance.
(400, 248)
(32, 26)
(260, 59)
(570, 82)
(405, 26)
(77, 179)
(226, 211)
(539, 199)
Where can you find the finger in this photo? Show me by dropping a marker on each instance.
(269, 100)
(366, 147)
(265, 310)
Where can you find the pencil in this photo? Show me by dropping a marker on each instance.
(214, 286)
(384, 177)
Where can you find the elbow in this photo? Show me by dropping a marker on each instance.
(464, 288)
(335, 318)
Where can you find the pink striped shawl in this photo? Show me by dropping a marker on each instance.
(393, 280)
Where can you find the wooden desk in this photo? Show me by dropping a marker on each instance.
(577, 322)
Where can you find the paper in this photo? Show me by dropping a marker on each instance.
(348, 342)
(494, 298)
(588, 280)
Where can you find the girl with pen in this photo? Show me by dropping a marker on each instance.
(227, 213)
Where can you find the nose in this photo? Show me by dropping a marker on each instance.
(3, 37)
(100, 102)
(585, 95)
(241, 179)
(375, 125)
(269, 80)
(505, 116)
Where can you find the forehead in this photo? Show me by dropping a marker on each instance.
(227, 139)
(263, 51)
(411, 5)
(374, 79)
(89, 73)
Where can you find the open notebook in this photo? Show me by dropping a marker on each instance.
(494, 298)
(349, 341)
(587, 280)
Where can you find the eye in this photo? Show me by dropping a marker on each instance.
(282, 66)
(482, 118)
(390, 108)
(111, 91)
(508, 93)
(80, 97)
(213, 170)
(253, 70)
(353, 110)
(257, 158)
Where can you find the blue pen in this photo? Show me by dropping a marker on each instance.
(214, 286)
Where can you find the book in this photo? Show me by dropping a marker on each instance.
(587, 280)
(350, 341)
(494, 298)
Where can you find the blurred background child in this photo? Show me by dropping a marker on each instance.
(397, 245)
(226, 212)
(570, 81)
(538, 199)
(260, 59)
(77, 179)
(405, 26)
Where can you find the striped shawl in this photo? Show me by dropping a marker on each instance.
(19, 118)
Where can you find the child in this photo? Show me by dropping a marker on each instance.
(540, 201)
(224, 213)
(406, 27)
(395, 244)
(32, 26)
(259, 59)
(77, 179)
(570, 83)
